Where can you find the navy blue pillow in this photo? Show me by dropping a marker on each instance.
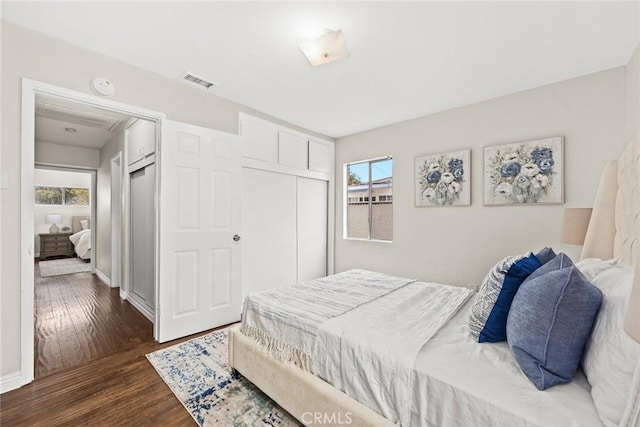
(550, 320)
(488, 317)
(545, 255)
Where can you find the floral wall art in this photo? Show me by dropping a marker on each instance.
(524, 173)
(443, 179)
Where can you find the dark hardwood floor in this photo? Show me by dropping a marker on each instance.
(119, 387)
(78, 319)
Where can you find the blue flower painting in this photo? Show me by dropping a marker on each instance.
(443, 179)
(527, 172)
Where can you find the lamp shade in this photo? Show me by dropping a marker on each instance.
(53, 219)
(575, 224)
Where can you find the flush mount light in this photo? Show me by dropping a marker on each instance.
(330, 46)
(71, 130)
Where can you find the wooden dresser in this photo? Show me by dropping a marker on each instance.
(55, 244)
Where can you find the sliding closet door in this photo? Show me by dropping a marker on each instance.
(269, 230)
(312, 228)
(142, 237)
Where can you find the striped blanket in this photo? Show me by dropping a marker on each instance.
(286, 320)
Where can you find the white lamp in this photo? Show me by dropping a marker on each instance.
(329, 47)
(575, 224)
(54, 219)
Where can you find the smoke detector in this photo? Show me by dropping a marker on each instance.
(102, 86)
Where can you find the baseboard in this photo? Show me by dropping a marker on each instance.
(10, 382)
(103, 277)
(142, 308)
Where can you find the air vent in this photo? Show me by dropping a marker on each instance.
(191, 78)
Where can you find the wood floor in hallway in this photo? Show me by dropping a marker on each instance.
(78, 319)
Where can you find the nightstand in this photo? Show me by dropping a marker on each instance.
(55, 244)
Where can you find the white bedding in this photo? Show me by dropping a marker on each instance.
(82, 243)
(411, 363)
(370, 352)
(285, 320)
(460, 382)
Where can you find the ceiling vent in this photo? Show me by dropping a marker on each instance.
(192, 78)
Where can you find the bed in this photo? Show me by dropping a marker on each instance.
(453, 380)
(81, 236)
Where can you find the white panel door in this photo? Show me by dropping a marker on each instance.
(312, 228)
(200, 283)
(269, 230)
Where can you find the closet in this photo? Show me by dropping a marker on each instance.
(287, 193)
(141, 143)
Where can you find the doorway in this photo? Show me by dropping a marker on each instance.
(45, 103)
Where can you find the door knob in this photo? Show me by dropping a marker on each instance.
(236, 237)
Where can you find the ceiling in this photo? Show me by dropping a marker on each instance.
(94, 127)
(408, 59)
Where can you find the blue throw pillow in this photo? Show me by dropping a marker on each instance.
(488, 317)
(545, 255)
(550, 321)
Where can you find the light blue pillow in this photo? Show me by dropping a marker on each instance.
(551, 318)
(488, 316)
(545, 255)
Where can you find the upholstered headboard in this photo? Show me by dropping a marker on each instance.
(614, 229)
(75, 223)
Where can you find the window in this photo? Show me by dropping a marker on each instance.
(62, 196)
(48, 195)
(369, 208)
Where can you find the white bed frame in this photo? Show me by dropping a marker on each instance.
(614, 231)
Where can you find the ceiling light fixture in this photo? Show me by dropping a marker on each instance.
(329, 47)
(71, 130)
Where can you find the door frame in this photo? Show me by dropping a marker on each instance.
(116, 194)
(31, 88)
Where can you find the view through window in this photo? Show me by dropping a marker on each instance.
(62, 196)
(369, 204)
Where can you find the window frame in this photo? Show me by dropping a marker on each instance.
(370, 203)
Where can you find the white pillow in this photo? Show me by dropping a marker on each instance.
(591, 267)
(84, 223)
(611, 356)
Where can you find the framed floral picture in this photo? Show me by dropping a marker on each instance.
(524, 173)
(443, 179)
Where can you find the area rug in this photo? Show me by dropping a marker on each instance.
(58, 267)
(198, 374)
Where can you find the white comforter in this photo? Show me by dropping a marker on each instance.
(82, 243)
(370, 352)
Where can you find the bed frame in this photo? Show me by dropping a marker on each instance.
(75, 223)
(614, 231)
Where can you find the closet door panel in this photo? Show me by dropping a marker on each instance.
(312, 201)
(269, 230)
(142, 235)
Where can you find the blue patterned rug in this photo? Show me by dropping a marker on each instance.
(198, 374)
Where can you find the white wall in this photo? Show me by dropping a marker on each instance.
(459, 244)
(47, 153)
(103, 207)
(32, 55)
(51, 178)
(633, 94)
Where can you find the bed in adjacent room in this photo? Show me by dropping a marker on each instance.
(81, 237)
(563, 348)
